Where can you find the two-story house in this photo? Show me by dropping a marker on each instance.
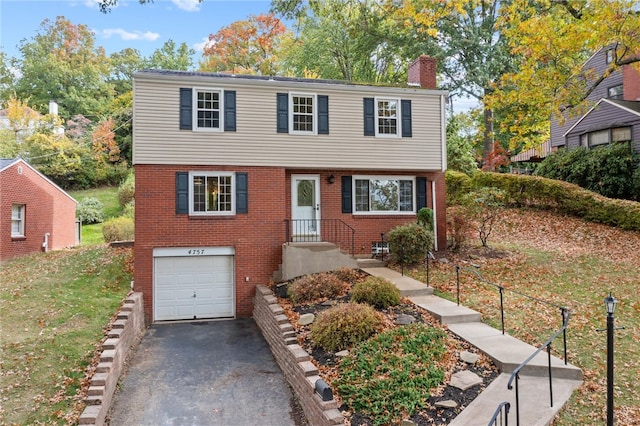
(615, 112)
(232, 168)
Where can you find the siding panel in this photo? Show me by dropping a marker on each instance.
(157, 139)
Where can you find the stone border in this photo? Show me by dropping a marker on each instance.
(127, 329)
(293, 360)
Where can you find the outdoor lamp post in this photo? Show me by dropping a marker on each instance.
(610, 303)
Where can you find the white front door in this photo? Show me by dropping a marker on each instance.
(305, 204)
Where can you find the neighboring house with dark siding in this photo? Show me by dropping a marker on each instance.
(35, 213)
(614, 111)
(231, 170)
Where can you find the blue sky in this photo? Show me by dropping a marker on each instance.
(143, 27)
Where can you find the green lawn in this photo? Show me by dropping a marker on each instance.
(108, 196)
(568, 263)
(55, 308)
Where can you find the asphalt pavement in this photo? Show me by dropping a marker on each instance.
(203, 374)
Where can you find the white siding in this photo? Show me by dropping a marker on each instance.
(158, 140)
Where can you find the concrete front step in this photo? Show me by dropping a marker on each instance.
(408, 286)
(445, 311)
(535, 401)
(508, 353)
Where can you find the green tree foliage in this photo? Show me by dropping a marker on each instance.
(171, 57)
(610, 170)
(349, 40)
(460, 144)
(61, 63)
(123, 64)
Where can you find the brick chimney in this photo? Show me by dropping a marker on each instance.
(422, 72)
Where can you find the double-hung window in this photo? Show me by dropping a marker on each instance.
(384, 195)
(211, 193)
(302, 117)
(17, 220)
(387, 117)
(209, 107)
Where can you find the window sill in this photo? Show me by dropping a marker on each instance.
(18, 238)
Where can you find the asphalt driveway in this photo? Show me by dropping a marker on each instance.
(205, 373)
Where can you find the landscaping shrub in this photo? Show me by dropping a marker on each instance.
(425, 218)
(348, 275)
(90, 210)
(344, 325)
(129, 210)
(127, 190)
(317, 288)
(118, 229)
(608, 170)
(458, 184)
(377, 292)
(409, 243)
(390, 376)
(458, 229)
(484, 206)
(562, 197)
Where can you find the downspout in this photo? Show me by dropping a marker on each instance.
(45, 244)
(435, 223)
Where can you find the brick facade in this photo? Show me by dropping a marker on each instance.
(48, 210)
(257, 236)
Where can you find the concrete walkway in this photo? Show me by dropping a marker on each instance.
(506, 351)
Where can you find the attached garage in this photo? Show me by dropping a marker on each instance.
(193, 283)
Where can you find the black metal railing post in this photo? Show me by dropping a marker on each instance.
(502, 411)
(458, 284)
(502, 307)
(550, 375)
(563, 312)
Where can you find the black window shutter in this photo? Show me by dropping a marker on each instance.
(323, 115)
(405, 106)
(182, 193)
(185, 108)
(242, 202)
(421, 184)
(229, 110)
(369, 117)
(347, 203)
(283, 112)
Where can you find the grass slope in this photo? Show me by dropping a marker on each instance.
(55, 307)
(108, 196)
(570, 263)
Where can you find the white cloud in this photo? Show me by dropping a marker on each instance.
(128, 35)
(188, 5)
(199, 47)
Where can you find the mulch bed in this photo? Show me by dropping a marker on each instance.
(327, 362)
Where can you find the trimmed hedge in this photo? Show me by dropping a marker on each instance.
(549, 194)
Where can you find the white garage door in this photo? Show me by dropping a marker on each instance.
(193, 286)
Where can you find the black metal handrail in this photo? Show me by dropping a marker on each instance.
(516, 373)
(321, 230)
(503, 412)
(501, 289)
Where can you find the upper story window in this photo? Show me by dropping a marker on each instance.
(210, 110)
(302, 113)
(383, 195)
(302, 117)
(387, 117)
(17, 220)
(605, 136)
(211, 193)
(621, 134)
(609, 56)
(616, 92)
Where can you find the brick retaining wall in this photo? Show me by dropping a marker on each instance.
(125, 332)
(293, 360)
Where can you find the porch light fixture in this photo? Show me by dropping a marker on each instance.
(331, 179)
